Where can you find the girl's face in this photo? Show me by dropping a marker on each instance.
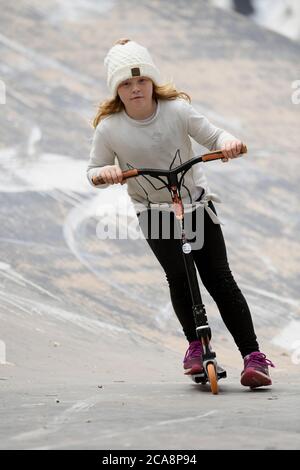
(136, 93)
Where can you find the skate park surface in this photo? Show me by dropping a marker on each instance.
(90, 349)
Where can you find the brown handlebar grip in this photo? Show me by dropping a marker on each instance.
(130, 173)
(98, 180)
(217, 154)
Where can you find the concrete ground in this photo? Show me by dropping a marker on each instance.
(90, 349)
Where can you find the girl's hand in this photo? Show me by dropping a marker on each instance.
(231, 149)
(111, 174)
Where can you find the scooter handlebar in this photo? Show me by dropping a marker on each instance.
(132, 173)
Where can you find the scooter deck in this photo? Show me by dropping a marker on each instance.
(203, 379)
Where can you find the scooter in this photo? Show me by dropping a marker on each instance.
(212, 372)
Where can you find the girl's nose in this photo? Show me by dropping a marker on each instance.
(135, 86)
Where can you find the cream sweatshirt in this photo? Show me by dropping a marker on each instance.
(162, 141)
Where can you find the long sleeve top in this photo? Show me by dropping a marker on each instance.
(162, 141)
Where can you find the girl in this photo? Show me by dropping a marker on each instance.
(149, 124)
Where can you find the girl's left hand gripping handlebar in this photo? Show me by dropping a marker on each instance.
(218, 154)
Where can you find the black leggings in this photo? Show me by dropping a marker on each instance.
(211, 262)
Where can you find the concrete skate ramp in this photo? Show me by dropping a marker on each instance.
(91, 351)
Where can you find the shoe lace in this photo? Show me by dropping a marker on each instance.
(195, 349)
(259, 359)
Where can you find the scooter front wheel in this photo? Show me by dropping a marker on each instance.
(212, 377)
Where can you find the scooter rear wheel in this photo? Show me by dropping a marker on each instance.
(212, 377)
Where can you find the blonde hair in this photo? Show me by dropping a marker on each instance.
(115, 105)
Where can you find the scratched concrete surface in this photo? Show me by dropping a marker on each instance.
(90, 349)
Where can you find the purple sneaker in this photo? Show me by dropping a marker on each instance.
(192, 362)
(256, 371)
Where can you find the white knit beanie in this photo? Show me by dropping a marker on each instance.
(128, 60)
